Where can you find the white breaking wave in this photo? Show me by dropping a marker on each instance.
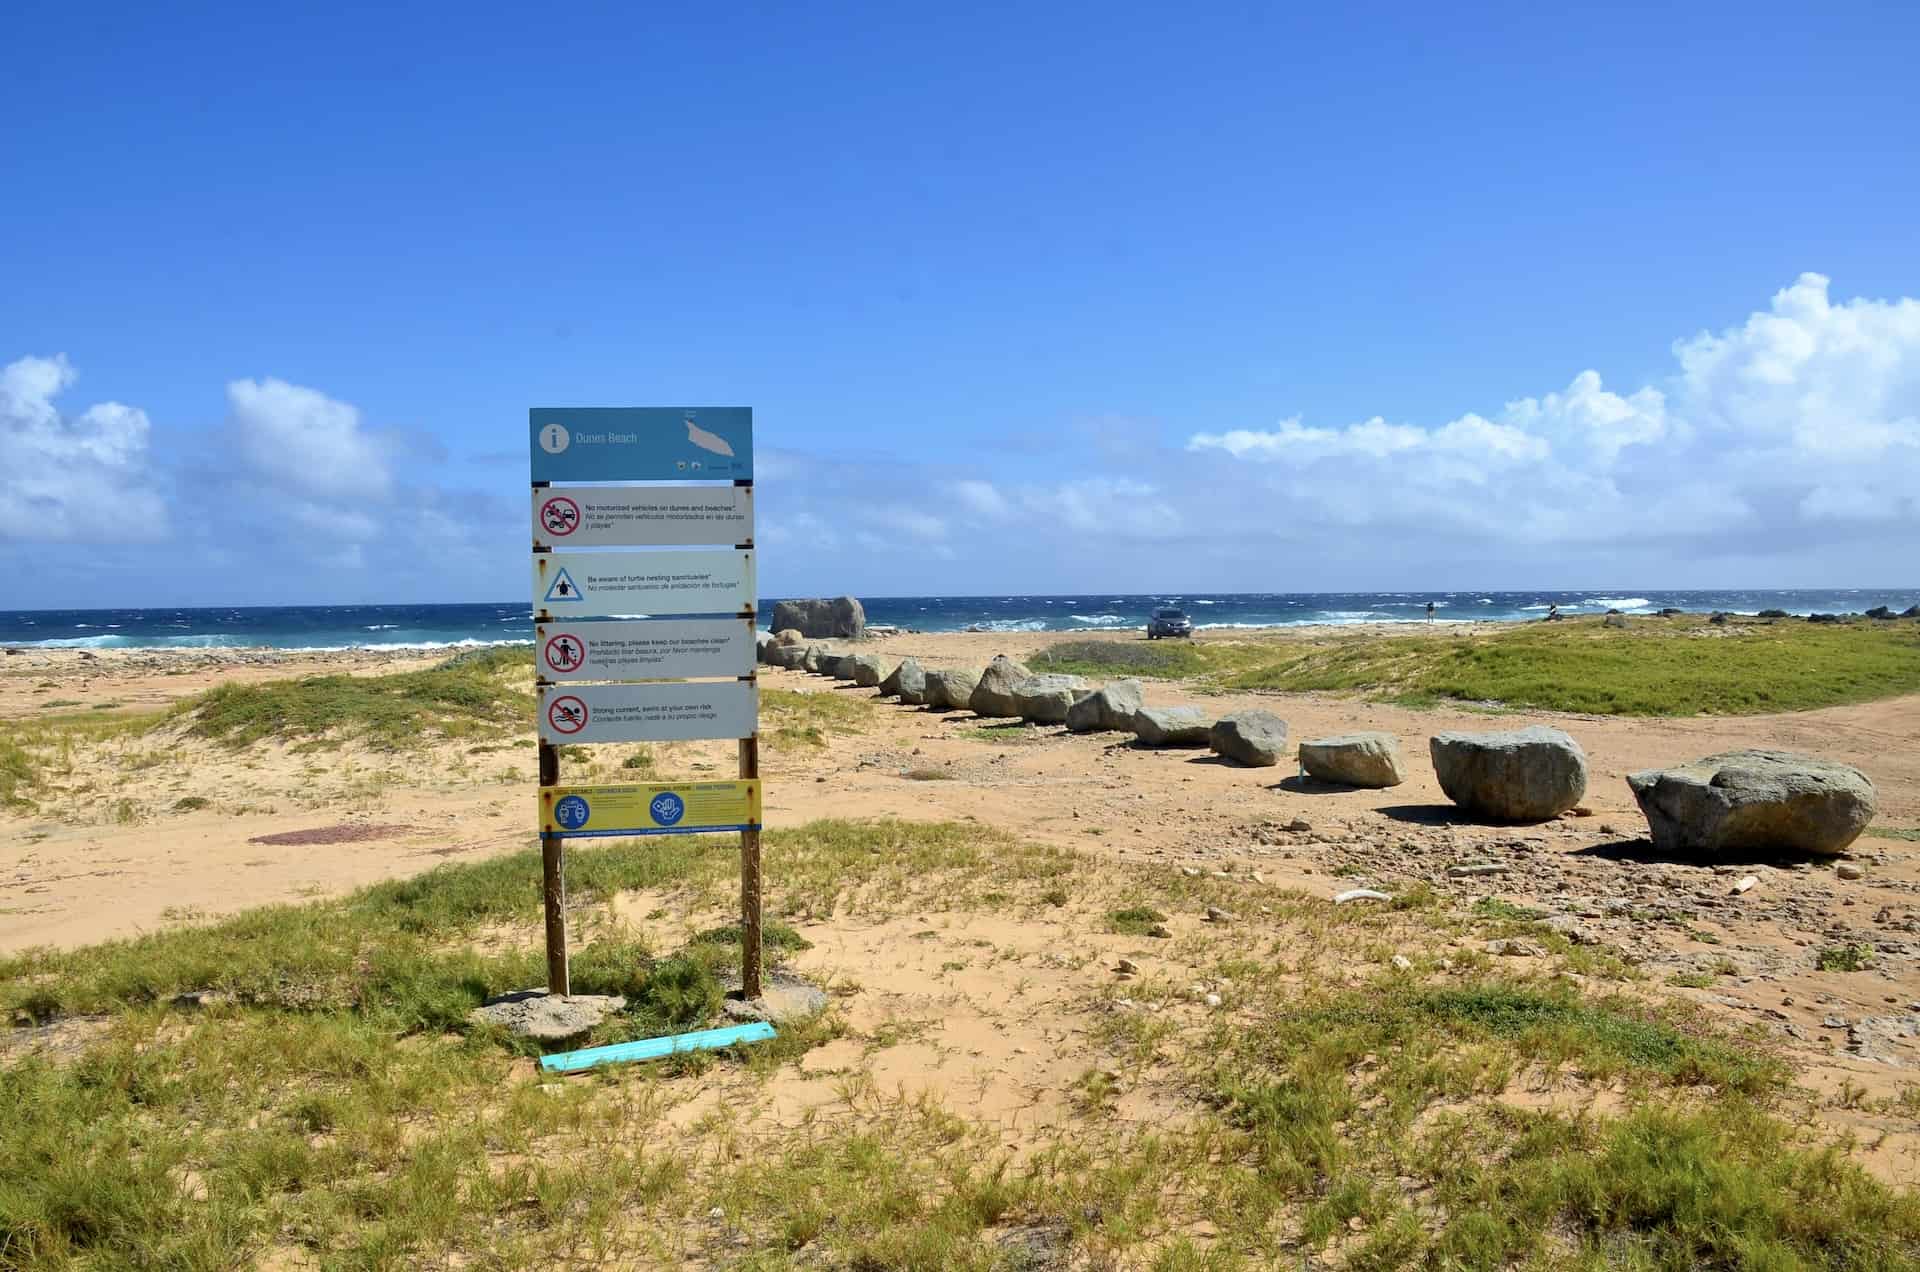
(1096, 618)
(1619, 602)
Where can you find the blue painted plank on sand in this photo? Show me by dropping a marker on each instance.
(657, 1048)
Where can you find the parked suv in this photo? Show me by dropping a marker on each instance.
(1169, 622)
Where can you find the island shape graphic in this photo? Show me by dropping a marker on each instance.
(708, 441)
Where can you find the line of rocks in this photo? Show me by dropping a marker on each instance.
(1728, 805)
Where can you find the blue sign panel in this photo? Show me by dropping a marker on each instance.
(641, 443)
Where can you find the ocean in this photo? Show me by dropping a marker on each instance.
(457, 626)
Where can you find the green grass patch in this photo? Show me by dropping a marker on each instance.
(1162, 659)
(1497, 908)
(462, 697)
(16, 773)
(1856, 956)
(1908, 834)
(1136, 920)
(794, 719)
(1658, 667)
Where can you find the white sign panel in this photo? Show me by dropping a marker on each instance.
(569, 585)
(615, 516)
(658, 649)
(670, 712)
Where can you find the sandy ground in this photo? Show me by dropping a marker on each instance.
(76, 872)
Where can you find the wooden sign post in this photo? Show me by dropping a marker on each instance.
(697, 663)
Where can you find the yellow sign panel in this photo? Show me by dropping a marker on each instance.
(649, 808)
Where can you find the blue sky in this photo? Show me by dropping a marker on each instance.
(1215, 298)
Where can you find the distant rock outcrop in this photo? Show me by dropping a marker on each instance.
(1754, 801)
(1370, 760)
(823, 618)
(1521, 775)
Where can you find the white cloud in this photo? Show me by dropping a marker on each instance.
(1806, 413)
(307, 441)
(77, 478)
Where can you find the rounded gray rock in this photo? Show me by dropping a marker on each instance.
(1172, 726)
(1255, 738)
(1370, 760)
(870, 669)
(1047, 699)
(951, 688)
(906, 682)
(1755, 801)
(1111, 707)
(993, 695)
(1518, 775)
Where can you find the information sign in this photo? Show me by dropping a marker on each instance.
(617, 516)
(641, 443)
(671, 711)
(656, 649)
(649, 808)
(569, 585)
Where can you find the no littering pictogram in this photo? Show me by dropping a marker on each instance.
(567, 714)
(565, 652)
(560, 516)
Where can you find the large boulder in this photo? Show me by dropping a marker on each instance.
(763, 647)
(813, 657)
(1172, 726)
(1520, 775)
(870, 669)
(839, 666)
(790, 636)
(1111, 707)
(907, 682)
(1047, 699)
(993, 696)
(1754, 801)
(1370, 760)
(1255, 738)
(823, 618)
(951, 688)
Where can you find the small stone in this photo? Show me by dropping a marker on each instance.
(1470, 869)
(1360, 894)
(1257, 877)
(543, 1017)
(1512, 948)
(717, 1213)
(1834, 1022)
(1299, 824)
(1213, 1000)
(1191, 872)
(1159, 931)
(1402, 963)
(1216, 915)
(1746, 884)
(1847, 870)
(1126, 967)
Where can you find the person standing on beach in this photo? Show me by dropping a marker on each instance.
(1429, 611)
